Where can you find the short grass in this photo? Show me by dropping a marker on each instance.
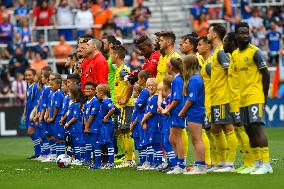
(17, 172)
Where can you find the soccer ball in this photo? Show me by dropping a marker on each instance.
(63, 161)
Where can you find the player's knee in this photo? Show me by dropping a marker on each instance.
(229, 128)
(31, 130)
(216, 130)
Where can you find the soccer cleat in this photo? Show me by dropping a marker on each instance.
(246, 170)
(263, 169)
(176, 171)
(196, 170)
(49, 158)
(144, 166)
(40, 158)
(126, 164)
(119, 159)
(226, 169)
(239, 169)
(76, 162)
(94, 166)
(214, 168)
(87, 163)
(167, 169)
(108, 166)
(33, 157)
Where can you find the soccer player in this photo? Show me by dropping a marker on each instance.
(152, 135)
(177, 122)
(74, 122)
(204, 49)
(253, 87)
(220, 110)
(107, 109)
(30, 104)
(152, 56)
(124, 102)
(230, 46)
(193, 110)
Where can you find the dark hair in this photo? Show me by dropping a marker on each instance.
(138, 88)
(219, 29)
(57, 80)
(111, 39)
(190, 66)
(119, 50)
(204, 38)
(241, 25)
(75, 91)
(142, 39)
(46, 75)
(193, 39)
(168, 35)
(56, 75)
(74, 76)
(91, 83)
(46, 69)
(31, 70)
(167, 81)
(144, 74)
(176, 63)
(232, 37)
(86, 37)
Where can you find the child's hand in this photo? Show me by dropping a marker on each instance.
(165, 111)
(159, 110)
(105, 119)
(50, 120)
(87, 130)
(61, 122)
(122, 101)
(145, 126)
(182, 114)
(66, 126)
(131, 126)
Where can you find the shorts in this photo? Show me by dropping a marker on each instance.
(177, 121)
(221, 114)
(52, 129)
(88, 137)
(77, 138)
(27, 117)
(137, 143)
(59, 129)
(96, 139)
(136, 131)
(236, 118)
(150, 138)
(41, 132)
(252, 114)
(123, 120)
(195, 119)
(207, 122)
(107, 133)
(165, 138)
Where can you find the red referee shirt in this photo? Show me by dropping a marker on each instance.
(151, 63)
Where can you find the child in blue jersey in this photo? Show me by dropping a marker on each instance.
(177, 122)
(54, 115)
(73, 119)
(30, 104)
(193, 110)
(165, 124)
(107, 109)
(150, 123)
(91, 126)
(139, 110)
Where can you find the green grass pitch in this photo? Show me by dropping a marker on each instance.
(17, 172)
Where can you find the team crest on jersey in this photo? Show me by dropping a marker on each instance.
(86, 75)
(246, 59)
(191, 95)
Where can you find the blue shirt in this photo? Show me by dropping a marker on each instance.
(92, 107)
(165, 119)
(195, 93)
(74, 111)
(154, 119)
(32, 91)
(105, 107)
(245, 15)
(176, 94)
(141, 103)
(56, 102)
(274, 39)
(65, 104)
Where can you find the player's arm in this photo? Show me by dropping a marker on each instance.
(223, 59)
(89, 122)
(146, 117)
(173, 104)
(160, 95)
(260, 61)
(109, 114)
(186, 106)
(128, 94)
(73, 120)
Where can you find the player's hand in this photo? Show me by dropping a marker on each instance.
(66, 126)
(61, 122)
(131, 126)
(182, 114)
(105, 119)
(87, 130)
(122, 101)
(165, 111)
(159, 110)
(145, 126)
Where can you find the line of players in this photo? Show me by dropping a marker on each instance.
(228, 89)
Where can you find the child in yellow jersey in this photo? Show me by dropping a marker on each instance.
(123, 101)
(253, 87)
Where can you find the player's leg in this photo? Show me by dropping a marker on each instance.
(185, 144)
(36, 141)
(206, 147)
(88, 153)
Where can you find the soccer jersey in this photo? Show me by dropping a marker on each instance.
(151, 63)
(56, 102)
(65, 104)
(219, 77)
(121, 86)
(206, 74)
(91, 108)
(195, 93)
(74, 111)
(152, 107)
(111, 76)
(248, 63)
(31, 95)
(44, 97)
(200, 59)
(233, 83)
(176, 94)
(165, 119)
(162, 65)
(105, 107)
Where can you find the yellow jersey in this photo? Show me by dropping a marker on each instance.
(120, 87)
(200, 59)
(248, 63)
(219, 77)
(162, 65)
(233, 83)
(206, 74)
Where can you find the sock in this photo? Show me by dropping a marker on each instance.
(247, 154)
(129, 147)
(181, 163)
(143, 155)
(185, 143)
(119, 145)
(110, 153)
(45, 145)
(52, 146)
(88, 152)
(60, 148)
(213, 154)
(98, 155)
(171, 157)
(232, 146)
(158, 154)
(207, 147)
(265, 154)
(36, 142)
(257, 155)
(221, 146)
(83, 150)
(77, 151)
(199, 163)
(150, 154)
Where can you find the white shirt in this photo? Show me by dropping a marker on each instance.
(84, 19)
(64, 16)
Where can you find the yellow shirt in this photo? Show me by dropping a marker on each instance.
(162, 65)
(248, 63)
(233, 82)
(120, 87)
(205, 73)
(219, 77)
(200, 59)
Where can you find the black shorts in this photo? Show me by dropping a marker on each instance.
(207, 122)
(123, 120)
(236, 118)
(221, 114)
(252, 114)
